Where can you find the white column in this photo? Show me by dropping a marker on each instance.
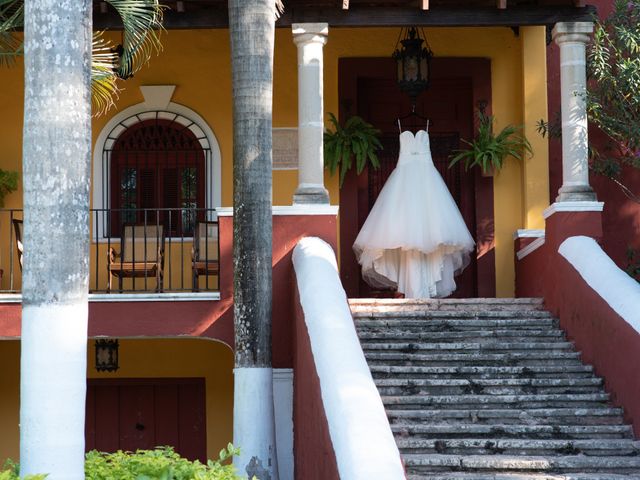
(572, 38)
(310, 38)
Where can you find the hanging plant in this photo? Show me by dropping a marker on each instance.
(356, 139)
(489, 151)
(8, 184)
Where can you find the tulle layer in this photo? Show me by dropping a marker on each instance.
(414, 238)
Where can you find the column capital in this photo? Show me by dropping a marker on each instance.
(304, 33)
(564, 32)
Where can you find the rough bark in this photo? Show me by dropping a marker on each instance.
(252, 31)
(56, 162)
(252, 27)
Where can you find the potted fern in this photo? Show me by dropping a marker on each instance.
(357, 140)
(489, 151)
(8, 184)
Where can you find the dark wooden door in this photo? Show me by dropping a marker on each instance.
(448, 104)
(131, 414)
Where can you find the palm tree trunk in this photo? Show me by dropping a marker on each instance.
(56, 162)
(252, 30)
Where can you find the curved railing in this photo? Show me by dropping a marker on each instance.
(341, 427)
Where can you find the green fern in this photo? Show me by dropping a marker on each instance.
(489, 151)
(356, 139)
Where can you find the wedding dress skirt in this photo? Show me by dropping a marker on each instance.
(414, 238)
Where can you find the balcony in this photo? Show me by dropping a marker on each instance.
(134, 251)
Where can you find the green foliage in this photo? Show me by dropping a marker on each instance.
(159, 464)
(613, 98)
(8, 184)
(633, 263)
(489, 151)
(12, 472)
(141, 24)
(357, 139)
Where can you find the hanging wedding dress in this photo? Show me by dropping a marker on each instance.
(414, 238)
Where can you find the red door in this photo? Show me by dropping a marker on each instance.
(368, 88)
(131, 414)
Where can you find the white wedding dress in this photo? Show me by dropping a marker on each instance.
(414, 238)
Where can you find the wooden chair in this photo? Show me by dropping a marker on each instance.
(17, 227)
(205, 253)
(141, 255)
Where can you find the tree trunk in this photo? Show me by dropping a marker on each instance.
(252, 30)
(56, 162)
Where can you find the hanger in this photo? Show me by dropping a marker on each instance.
(414, 114)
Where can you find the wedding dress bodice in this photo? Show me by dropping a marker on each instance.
(414, 147)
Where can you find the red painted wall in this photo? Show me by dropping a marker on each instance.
(605, 340)
(314, 456)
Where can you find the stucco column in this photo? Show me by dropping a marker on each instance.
(310, 38)
(572, 38)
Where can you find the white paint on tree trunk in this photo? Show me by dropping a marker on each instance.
(619, 290)
(53, 393)
(358, 425)
(283, 406)
(253, 423)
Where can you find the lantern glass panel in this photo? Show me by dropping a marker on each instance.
(424, 68)
(411, 69)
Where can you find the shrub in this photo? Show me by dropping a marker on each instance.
(161, 463)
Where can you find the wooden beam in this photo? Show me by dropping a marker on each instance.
(501, 4)
(376, 17)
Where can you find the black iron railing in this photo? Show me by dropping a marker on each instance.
(134, 250)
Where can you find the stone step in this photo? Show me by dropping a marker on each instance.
(588, 400)
(518, 446)
(475, 359)
(426, 314)
(519, 476)
(371, 304)
(502, 386)
(442, 431)
(510, 416)
(480, 336)
(456, 325)
(462, 347)
(577, 370)
(514, 463)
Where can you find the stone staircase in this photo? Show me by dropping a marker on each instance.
(491, 389)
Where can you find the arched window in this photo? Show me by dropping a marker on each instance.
(158, 169)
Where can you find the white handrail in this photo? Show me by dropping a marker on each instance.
(358, 426)
(619, 290)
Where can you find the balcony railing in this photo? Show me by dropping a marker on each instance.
(134, 250)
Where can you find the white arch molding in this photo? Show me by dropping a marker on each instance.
(157, 99)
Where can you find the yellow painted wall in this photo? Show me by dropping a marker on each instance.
(197, 62)
(138, 359)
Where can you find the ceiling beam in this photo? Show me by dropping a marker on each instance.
(375, 17)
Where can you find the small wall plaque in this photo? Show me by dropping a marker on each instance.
(285, 148)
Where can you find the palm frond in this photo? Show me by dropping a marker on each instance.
(142, 24)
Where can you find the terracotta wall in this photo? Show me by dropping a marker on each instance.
(604, 339)
(314, 456)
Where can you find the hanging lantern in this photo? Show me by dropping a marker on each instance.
(413, 62)
(106, 355)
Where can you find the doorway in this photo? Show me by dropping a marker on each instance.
(368, 88)
(142, 413)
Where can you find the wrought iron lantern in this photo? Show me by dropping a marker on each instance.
(106, 355)
(413, 62)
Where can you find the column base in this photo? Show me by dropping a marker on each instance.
(576, 193)
(311, 195)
